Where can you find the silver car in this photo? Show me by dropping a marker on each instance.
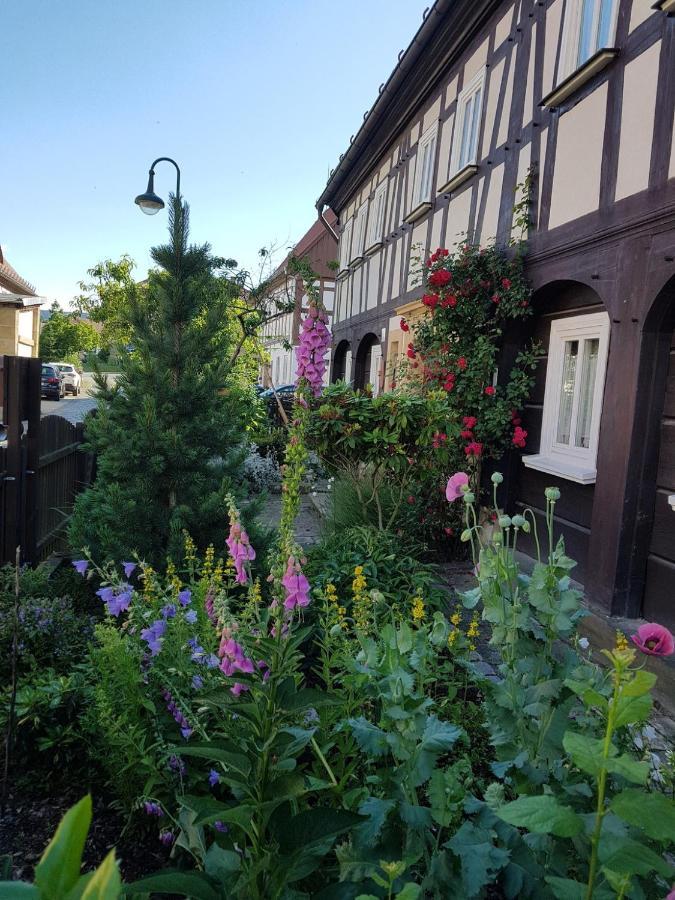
(72, 378)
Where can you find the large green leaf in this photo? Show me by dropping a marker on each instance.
(369, 737)
(653, 812)
(641, 683)
(542, 815)
(629, 768)
(566, 888)
(632, 858)
(313, 825)
(376, 810)
(59, 869)
(195, 885)
(18, 890)
(106, 883)
(480, 860)
(630, 710)
(220, 863)
(209, 810)
(586, 752)
(220, 751)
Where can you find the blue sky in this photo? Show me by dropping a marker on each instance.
(255, 101)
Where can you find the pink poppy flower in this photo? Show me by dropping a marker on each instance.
(453, 490)
(654, 640)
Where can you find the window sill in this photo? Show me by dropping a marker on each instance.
(561, 467)
(666, 6)
(373, 248)
(579, 77)
(356, 261)
(342, 274)
(418, 212)
(459, 178)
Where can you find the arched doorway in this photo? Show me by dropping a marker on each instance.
(368, 356)
(652, 565)
(340, 358)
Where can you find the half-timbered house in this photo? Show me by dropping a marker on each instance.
(580, 93)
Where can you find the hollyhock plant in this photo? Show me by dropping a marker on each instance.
(310, 353)
(654, 640)
(454, 490)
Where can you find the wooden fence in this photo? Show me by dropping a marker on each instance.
(42, 467)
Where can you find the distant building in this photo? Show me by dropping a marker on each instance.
(280, 336)
(19, 313)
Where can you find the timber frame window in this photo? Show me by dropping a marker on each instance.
(464, 158)
(424, 173)
(376, 221)
(345, 245)
(589, 33)
(575, 380)
(359, 234)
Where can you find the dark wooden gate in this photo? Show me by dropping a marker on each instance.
(42, 466)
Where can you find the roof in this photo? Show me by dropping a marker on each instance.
(309, 239)
(446, 30)
(10, 278)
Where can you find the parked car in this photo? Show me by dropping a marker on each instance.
(53, 383)
(71, 377)
(285, 390)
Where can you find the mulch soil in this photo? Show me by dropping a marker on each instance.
(28, 823)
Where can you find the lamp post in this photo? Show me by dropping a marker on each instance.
(149, 202)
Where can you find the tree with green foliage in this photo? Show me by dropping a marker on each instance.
(168, 433)
(64, 337)
(107, 297)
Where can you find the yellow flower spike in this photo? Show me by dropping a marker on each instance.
(358, 570)
(621, 642)
(456, 618)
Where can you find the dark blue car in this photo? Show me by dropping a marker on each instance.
(53, 385)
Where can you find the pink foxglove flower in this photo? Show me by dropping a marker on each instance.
(240, 549)
(453, 490)
(654, 639)
(295, 584)
(311, 351)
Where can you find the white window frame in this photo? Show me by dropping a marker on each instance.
(378, 211)
(574, 18)
(467, 103)
(425, 167)
(345, 244)
(574, 463)
(360, 233)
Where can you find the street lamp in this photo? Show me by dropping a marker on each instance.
(149, 202)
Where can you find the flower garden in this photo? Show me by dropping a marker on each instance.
(272, 721)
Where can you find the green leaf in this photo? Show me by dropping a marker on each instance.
(220, 863)
(59, 868)
(641, 683)
(195, 885)
(209, 810)
(376, 810)
(219, 751)
(632, 858)
(586, 752)
(18, 890)
(632, 709)
(369, 737)
(313, 825)
(106, 883)
(629, 768)
(542, 815)
(480, 860)
(566, 888)
(410, 892)
(654, 813)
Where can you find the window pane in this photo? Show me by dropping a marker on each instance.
(589, 366)
(605, 23)
(586, 41)
(473, 140)
(567, 392)
(466, 125)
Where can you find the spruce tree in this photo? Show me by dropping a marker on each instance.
(167, 434)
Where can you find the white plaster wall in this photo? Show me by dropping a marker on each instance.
(553, 23)
(491, 217)
(637, 122)
(576, 177)
(640, 12)
(475, 62)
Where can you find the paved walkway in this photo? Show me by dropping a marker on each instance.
(307, 524)
(73, 409)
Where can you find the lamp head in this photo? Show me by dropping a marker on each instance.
(149, 202)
